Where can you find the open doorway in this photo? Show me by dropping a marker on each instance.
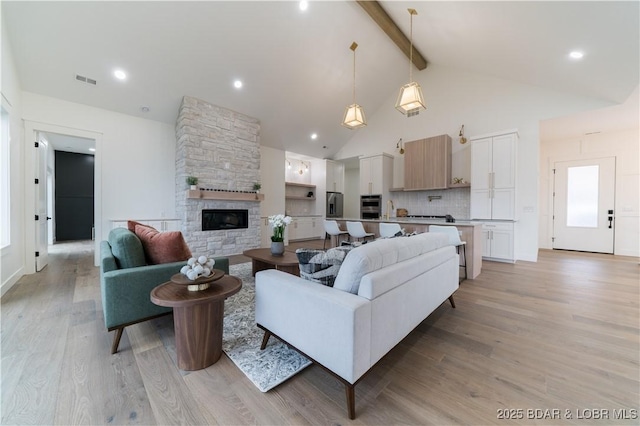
(63, 139)
(65, 191)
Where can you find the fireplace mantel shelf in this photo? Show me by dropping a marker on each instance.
(224, 195)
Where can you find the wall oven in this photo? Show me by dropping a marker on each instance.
(370, 206)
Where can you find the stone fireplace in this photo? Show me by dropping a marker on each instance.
(222, 149)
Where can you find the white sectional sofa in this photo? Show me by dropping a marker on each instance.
(383, 290)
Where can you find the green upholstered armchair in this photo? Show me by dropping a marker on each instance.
(126, 282)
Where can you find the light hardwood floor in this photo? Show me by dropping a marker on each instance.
(561, 334)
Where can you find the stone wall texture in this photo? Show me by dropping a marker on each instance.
(222, 149)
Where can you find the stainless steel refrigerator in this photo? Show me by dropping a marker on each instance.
(334, 204)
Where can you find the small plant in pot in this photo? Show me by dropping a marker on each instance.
(192, 181)
(256, 187)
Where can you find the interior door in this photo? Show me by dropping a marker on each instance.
(583, 208)
(42, 227)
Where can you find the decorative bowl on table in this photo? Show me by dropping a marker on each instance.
(201, 283)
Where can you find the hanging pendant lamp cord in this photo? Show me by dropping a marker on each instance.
(411, 47)
(354, 75)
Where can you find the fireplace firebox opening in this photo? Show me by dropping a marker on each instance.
(224, 219)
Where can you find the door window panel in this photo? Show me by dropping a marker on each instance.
(582, 196)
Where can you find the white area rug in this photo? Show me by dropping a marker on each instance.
(241, 339)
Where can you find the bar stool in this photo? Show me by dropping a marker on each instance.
(454, 238)
(389, 229)
(356, 230)
(331, 228)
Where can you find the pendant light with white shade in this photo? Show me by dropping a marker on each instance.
(354, 114)
(410, 100)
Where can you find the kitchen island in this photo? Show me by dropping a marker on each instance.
(471, 234)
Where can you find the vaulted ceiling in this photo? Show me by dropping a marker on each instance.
(296, 66)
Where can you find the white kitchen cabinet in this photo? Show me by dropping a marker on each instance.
(493, 176)
(317, 227)
(497, 241)
(159, 224)
(305, 228)
(376, 174)
(165, 225)
(335, 176)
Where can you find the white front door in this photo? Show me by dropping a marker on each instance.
(42, 227)
(584, 196)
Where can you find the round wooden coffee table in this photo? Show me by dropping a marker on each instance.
(197, 319)
(261, 259)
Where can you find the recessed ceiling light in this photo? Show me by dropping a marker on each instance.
(304, 5)
(92, 149)
(576, 55)
(120, 75)
(237, 84)
(314, 136)
(145, 109)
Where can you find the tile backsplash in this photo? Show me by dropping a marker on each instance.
(455, 202)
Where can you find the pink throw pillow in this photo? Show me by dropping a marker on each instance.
(131, 225)
(162, 247)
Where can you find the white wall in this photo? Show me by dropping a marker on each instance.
(484, 105)
(135, 158)
(351, 208)
(272, 173)
(624, 146)
(319, 179)
(12, 260)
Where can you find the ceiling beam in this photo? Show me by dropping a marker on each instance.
(384, 21)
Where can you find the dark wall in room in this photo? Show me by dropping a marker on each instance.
(74, 196)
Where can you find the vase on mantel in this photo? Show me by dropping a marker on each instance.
(277, 248)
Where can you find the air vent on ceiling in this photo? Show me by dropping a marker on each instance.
(86, 79)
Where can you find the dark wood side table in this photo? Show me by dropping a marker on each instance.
(261, 259)
(197, 319)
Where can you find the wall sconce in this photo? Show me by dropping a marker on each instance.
(463, 140)
(400, 146)
(288, 164)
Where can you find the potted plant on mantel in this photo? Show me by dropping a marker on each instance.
(256, 188)
(192, 181)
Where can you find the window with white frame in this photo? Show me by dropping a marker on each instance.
(5, 177)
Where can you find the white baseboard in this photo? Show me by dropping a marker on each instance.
(10, 282)
(631, 253)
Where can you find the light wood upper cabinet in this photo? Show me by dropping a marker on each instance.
(427, 163)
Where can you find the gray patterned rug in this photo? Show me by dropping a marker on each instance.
(241, 339)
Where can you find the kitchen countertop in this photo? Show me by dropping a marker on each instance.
(417, 221)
